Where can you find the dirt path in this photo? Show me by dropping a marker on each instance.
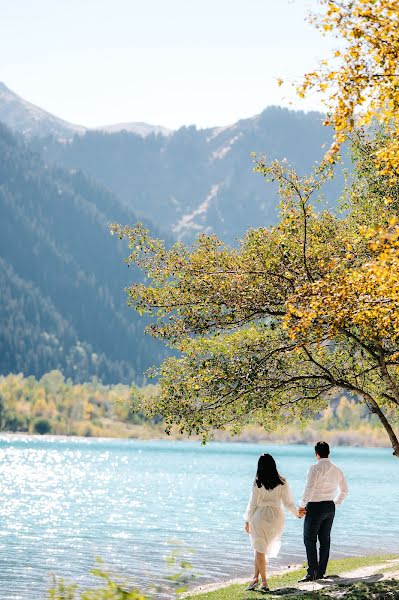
(388, 569)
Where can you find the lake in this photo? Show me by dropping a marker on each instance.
(67, 501)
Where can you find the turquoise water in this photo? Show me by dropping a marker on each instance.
(66, 501)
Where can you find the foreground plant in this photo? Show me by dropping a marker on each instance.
(114, 588)
(111, 590)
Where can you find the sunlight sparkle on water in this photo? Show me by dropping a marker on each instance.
(67, 501)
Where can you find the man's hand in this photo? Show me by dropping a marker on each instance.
(247, 527)
(302, 512)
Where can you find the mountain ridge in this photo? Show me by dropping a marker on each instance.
(62, 277)
(30, 120)
(200, 180)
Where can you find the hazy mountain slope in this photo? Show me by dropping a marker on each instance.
(63, 274)
(30, 120)
(187, 181)
(139, 128)
(35, 337)
(199, 180)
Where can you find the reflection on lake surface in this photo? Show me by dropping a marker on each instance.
(67, 501)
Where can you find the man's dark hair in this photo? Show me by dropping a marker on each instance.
(322, 449)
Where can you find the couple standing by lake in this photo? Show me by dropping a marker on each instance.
(325, 488)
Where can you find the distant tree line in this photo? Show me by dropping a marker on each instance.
(53, 404)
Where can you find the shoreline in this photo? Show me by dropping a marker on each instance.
(9, 435)
(204, 588)
(38, 406)
(342, 573)
(276, 571)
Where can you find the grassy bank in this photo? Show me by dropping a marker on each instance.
(285, 583)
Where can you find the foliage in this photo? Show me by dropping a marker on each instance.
(56, 404)
(114, 588)
(362, 75)
(94, 409)
(42, 426)
(302, 310)
(235, 315)
(181, 568)
(111, 590)
(366, 296)
(361, 286)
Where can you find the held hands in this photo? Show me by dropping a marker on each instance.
(301, 513)
(247, 527)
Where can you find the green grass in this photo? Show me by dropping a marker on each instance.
(290, 579)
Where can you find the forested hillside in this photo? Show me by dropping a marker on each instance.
(62, 301)
(199, 180)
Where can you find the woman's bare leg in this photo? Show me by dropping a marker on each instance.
(261, 564)
(256, 570)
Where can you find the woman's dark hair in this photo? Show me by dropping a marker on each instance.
(267, 474)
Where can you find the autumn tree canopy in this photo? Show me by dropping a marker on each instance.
(268, 331)
(248, 349)
(359, 83)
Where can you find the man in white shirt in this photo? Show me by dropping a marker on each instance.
(325, 488)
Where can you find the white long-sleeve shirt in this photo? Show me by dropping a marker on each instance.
(325, 482)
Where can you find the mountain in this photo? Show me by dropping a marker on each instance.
(186, 181)
(30, 120)
(62, 275)
(199, 180)
(62, 304)
(141, 129)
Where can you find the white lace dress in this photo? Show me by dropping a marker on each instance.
(265, 515)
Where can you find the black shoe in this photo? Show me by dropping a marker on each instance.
(307, 578)
(264, 589)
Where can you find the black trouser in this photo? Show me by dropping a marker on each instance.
(318, 522)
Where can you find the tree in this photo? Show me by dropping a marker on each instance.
(42, 426)
(247, 354)
(2, 411)
(360, 82)
(300, 311)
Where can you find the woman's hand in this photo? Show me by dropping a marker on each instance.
(247, 527)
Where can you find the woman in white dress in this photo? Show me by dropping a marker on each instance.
(264, 517)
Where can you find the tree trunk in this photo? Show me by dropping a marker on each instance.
(390, 382)
(374, 407)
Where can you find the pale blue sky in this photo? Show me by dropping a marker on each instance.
(167, 62)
